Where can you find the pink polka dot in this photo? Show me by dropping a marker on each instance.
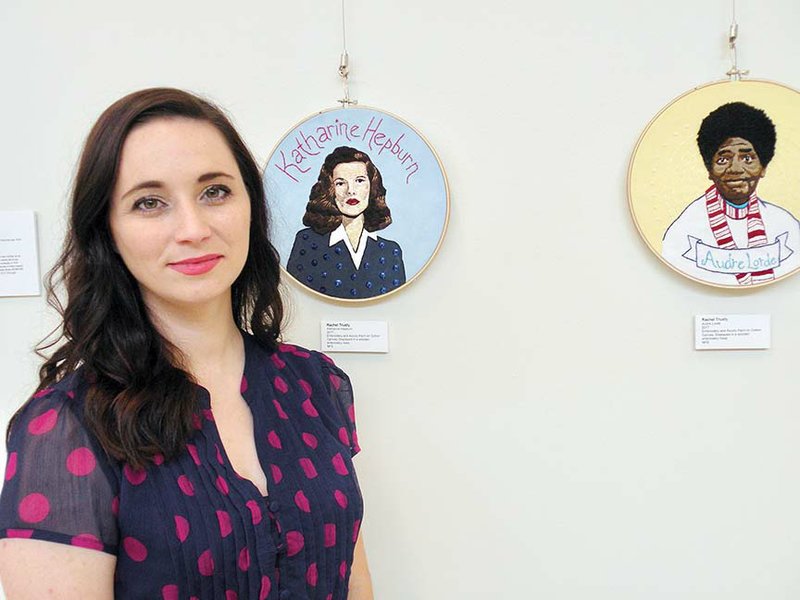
(19, 533)
(70, 394)
(294, 542)
(134, 476)
(169, 592)
(222, 485)
(181, 528)
(208, 415)
(309, 409)
(340, 497)
(81, 462)
(158, 459)
(205, 564)
(338, 464)
(343, 437)
(11, 466)
(266, 586)
(134, 549)
(281, 413)
(243, 386)
(244, 559)
(308, 467)
(44, 422)
(193, 453)
(301, 353)
(280, 384)
(186, 485)
(329, 596)
(224, 519)
(43, 393)
(34, 508)
(286, 348)
(351, 413)
(310, 440)
(302, 502)
(87, 540)
(274, 440)
(277, 474)
(356, 447)
(220, 460)
(197, 422)
(306, 387)
(356, 529)
(336, 381)
(231, 595)
(115, 506)
(312, 575)
(277, 361)
(330, 535)
(326, 358)
(255, 511)
(343, 569)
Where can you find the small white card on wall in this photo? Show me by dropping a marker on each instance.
(19, 260)
(355, 336)
(732, 332)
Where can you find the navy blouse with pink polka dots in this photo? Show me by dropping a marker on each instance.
(191, 528)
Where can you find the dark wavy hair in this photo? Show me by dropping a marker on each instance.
(737, 119)
(140, 400)
(323, 216)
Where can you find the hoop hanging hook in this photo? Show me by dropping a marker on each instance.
(735, 73)
(344, 68)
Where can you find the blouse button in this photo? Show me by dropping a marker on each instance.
(286, 594)
(274, 506)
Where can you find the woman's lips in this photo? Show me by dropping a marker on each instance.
(196, 265)
(351, 201)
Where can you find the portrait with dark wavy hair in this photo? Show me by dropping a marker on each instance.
(339, 252)
(729, 235)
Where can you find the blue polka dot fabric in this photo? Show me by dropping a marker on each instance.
(192, 528)
(330, 270)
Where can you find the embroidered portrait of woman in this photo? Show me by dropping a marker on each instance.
(729, 234)
(339, 252)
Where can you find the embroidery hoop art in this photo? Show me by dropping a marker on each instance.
(284, 222)
(651, 219)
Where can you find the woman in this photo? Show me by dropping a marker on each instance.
(339, 254)
(167, 453)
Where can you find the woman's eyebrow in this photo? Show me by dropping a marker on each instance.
(213, 175)
(145, 185)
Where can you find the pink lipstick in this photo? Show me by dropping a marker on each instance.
(351, 202)
(197, 265)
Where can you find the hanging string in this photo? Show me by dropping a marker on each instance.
(735, 73)
(344, 67)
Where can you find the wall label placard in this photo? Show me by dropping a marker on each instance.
(19, 260)
(354, 336)
(732, 332)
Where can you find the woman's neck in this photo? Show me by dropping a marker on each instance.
(353, 229)
(207, 337)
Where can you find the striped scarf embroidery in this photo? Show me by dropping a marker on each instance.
(718, 213)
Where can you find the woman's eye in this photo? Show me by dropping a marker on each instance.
(216, 192)
(147, 204)
(748, 159)
(722, 160)
(361, 180)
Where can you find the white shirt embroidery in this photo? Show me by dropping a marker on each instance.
(339, 234)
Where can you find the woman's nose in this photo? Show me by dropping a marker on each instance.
(192, 225)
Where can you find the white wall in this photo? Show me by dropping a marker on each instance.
(542, 427)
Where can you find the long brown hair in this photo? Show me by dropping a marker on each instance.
(323, 216)
(141, 402)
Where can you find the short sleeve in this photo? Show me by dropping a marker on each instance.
(341, 395)
(59, 484)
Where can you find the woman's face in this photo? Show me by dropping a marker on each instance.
(351, 187)
(180, 213)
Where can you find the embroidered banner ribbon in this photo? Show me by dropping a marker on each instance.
(738, 260)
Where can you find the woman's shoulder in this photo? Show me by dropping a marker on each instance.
(57, 406)
(301, 360)
(308, 235)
